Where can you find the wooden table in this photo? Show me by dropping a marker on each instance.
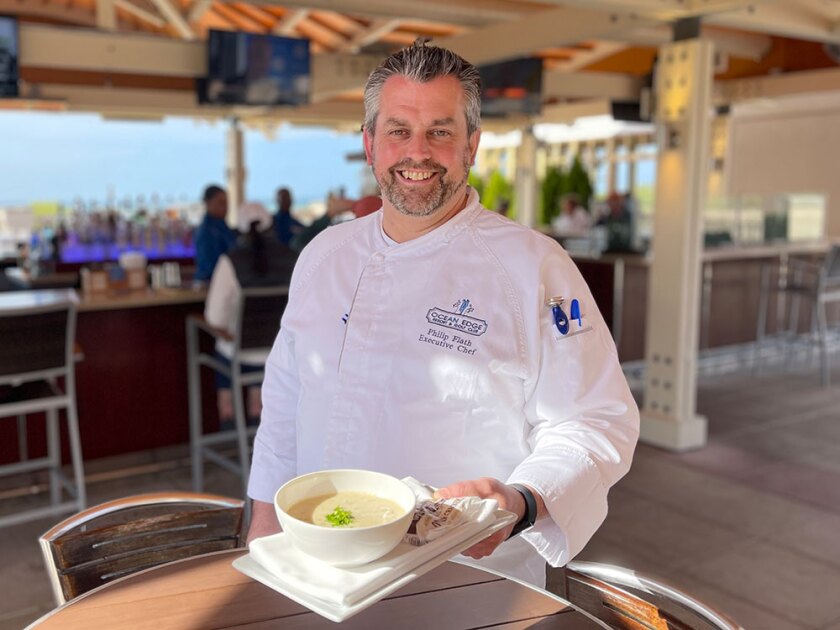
(207, 592)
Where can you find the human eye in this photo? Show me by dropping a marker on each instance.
(440, 133)
(398, 132)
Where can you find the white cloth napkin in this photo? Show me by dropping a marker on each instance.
(300, 572)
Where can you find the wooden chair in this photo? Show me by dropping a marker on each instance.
(626, 600)
(127, 535)
(258, 321)
(37, 330)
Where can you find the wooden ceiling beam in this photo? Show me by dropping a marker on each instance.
(199, 8)
(173, 15)
(373, 33)
(57, 12)
(147, 16)
(463, 12)
(546, 29)
(239, 20)
(327, 38)
(266, 20)
(289, 23)
(337, 22)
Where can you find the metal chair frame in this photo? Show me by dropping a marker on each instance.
(803, 279)
(203, 446)
(626, 599)
(51, 404)
(136, 533)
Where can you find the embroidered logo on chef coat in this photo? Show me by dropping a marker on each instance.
(457, 319)
(459, 323)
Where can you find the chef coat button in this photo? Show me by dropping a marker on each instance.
(378, 257)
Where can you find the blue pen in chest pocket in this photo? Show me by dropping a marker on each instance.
(561, 320)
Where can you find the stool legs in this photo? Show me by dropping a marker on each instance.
(76, 453)
(54, 455)
(196, 429)
(241, 428)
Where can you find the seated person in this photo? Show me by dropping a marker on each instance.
(573, 219)
(257, 260)
(618, 221)
(213, 236)
(285, 225)
(336, 207)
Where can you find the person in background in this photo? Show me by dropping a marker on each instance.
(619, 223)
(439, 340)
(336, 207)
(213, 236)
(573, 219)
(285, 225)
(257, 260)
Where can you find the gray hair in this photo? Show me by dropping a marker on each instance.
(422, 64)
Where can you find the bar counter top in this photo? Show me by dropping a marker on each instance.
(125, 299)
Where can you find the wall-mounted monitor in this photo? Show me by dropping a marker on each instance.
(9, 55)
(511, 87)
(252, 69)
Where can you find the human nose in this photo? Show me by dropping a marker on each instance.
(418, 147)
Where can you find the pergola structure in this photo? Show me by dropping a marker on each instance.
(142, 58)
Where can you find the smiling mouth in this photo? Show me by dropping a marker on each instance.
(416, 176)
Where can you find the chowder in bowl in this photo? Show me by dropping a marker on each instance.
(345, 517)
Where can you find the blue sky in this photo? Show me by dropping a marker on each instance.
(58, 157)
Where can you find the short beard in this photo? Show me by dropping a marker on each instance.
(409, 205)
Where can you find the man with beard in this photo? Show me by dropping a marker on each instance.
(436, 339)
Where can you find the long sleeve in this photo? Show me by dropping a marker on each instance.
(275, 453)
(583, 420)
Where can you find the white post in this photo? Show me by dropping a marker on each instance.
(684, 81)
(235, 169)
(526, 179)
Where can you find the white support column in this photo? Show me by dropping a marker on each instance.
(526, 178)
(235, 169)
(684, 81)
(610, 154)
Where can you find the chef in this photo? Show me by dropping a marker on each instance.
(436, 339)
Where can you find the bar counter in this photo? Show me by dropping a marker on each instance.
(730, 287)
(131, 381)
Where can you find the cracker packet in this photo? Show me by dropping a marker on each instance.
(435, 518)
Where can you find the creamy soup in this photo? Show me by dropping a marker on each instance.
(346, 509)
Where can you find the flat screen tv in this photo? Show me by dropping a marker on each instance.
(8, 56)
(511, 87)
(251, 69)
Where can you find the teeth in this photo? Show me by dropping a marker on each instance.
(417, 176)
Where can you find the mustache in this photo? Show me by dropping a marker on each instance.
(425, 165)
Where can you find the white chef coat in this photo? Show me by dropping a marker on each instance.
(439, 358)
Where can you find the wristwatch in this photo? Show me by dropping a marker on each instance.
(530, 516)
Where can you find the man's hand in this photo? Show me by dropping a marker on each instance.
(263, 520)
(487, 488)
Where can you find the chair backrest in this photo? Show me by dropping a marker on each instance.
(36, 334)
(625, 599)
(831, 266)
(260, 310)
(127, 535)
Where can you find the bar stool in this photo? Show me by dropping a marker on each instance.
(801, 281)
(37, 331)
(258, 320)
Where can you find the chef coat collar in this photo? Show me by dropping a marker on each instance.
(440, 236)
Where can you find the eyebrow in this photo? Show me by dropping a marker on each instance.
(440, 122)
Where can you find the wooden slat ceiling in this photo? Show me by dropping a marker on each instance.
(755, 37)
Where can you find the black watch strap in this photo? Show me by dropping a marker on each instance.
(530, 517)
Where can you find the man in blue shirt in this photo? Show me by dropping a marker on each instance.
(285, 225)
(213, 237)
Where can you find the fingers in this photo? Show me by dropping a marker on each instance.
(488, 545)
